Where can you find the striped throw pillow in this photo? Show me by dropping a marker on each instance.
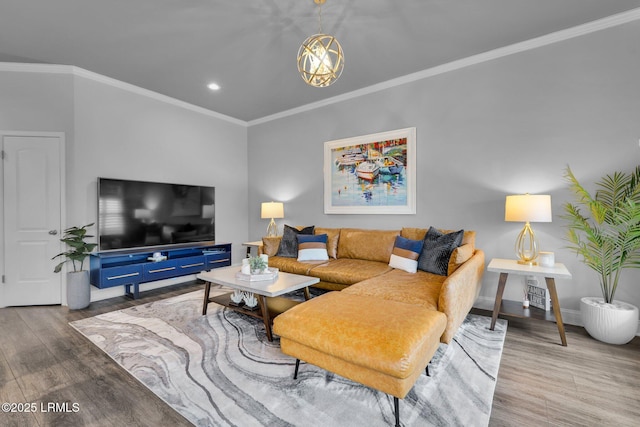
(312, 247)
(405, 254)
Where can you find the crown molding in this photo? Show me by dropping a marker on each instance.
(81, 72)
(548, 39)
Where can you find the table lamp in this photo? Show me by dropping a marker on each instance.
(272, 210)
(527, 208)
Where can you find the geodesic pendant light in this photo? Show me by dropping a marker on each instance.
(320, 58)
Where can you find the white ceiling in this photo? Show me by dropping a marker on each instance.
(249, 47)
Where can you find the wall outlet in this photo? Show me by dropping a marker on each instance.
(531, 280)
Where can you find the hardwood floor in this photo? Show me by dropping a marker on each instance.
(44, 361)
(587, 383)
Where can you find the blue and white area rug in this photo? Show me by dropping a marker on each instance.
(220, 370)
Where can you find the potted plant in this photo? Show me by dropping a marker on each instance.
(78, 291)
(257, 265)
(604, 230)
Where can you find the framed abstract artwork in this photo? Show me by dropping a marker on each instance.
(371, 174)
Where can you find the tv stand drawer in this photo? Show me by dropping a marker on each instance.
(190, 265)
(160, 270)
(215, 260)
(116, 276)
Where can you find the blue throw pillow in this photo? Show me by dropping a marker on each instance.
(405, 254)
(289, 243)
(312, 247)
(437, 250)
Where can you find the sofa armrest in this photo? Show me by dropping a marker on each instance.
(458, 293)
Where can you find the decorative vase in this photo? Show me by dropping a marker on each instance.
(78, 290)
(615, 323)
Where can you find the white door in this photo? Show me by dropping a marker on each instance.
(31, 218)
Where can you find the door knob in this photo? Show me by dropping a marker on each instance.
(53, 232)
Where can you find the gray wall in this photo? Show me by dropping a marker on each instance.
(506, 126)
(119, 133)
(36, 102)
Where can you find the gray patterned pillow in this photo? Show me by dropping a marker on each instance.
(289, 243)
(437, 250)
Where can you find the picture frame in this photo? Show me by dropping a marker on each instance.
(371, 174)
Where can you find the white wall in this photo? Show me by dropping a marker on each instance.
(506, 126)
(36, 102)
(119, 133)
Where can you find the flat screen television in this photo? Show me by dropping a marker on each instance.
(140, 214)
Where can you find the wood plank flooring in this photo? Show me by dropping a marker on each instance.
(587, 383)
(42, 360)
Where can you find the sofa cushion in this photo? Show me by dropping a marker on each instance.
(292, 265)
(405, 254)
(468, 237)
(459, 256)
(370, 245)
(437, 250)
(419, 288)
(333, 234)
(270, 245)
(345, 271)
(312, 247)
(289, 243)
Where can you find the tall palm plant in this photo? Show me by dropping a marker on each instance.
(607, 235)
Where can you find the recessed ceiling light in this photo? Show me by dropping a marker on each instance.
(213, 86)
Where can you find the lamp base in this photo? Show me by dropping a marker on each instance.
(272, 229)
(526, 246)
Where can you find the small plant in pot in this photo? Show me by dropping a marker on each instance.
(604, 230)
(78, 291)
(257, 265)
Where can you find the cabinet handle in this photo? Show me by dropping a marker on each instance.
(192, 265)
(122, 276)
(160, 270)
(218, 261)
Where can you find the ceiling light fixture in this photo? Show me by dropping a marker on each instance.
(213, 86)
(320, 58)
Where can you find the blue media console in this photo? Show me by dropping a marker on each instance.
(134, 266)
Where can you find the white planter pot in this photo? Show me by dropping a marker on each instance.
(615, 323)
(78, 290)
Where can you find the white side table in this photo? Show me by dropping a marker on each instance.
(250, 245)
(514, 308)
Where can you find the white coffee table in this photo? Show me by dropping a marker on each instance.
(268, 292)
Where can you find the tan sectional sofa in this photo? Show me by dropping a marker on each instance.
(359, 265)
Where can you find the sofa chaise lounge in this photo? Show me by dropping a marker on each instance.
(358, 264)
(386, 323)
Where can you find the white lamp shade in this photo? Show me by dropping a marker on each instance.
(528, 208)
(272, 210)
